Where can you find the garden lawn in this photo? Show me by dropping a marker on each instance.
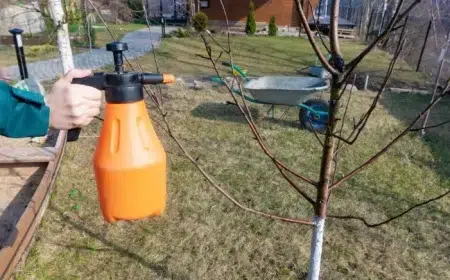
(203, 236)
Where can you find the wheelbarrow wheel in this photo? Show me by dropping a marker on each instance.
(311, 121)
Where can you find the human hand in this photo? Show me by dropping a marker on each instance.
(73, 105)
(4, 75)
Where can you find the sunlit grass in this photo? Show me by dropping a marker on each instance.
(203, 236)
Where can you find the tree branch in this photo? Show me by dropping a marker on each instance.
(359, 127)
(313, 42)
(374, 158)
(280, 166)
(169, 131)
(334, 24)
(428, 127)
(225, 193)
(351, 217)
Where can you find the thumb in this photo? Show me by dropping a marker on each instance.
(77, 73)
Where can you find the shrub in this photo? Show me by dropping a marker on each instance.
(273, 29)
(180, 33)
(250, 27)
(35, 51)
(73, 28)
(200, 21)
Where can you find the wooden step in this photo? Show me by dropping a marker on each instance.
(25, 155)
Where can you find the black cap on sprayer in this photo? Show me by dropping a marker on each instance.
(120, 87)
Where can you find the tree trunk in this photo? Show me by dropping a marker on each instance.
(383, 15)
(316, 248)
(324, 182)
(365, 18)
(57, 13)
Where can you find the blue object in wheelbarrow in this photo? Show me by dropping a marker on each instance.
(293, 91)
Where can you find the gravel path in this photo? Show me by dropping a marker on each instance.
(139, 44)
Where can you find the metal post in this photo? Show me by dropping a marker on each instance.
(366, 83)
(18, 44)
(163, 27)
(424, 45)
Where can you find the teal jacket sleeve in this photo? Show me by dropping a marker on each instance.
(22, 113)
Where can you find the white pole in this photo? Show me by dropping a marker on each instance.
(316, 248)
(65, 50)
(325, 11)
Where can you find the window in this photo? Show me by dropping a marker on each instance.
(204, 3)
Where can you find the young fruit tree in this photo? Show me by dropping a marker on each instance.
(332, 142)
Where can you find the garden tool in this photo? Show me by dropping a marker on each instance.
(129, 160)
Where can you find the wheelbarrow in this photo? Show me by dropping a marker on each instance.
(292, 91)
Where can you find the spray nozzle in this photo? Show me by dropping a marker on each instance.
(117, 48)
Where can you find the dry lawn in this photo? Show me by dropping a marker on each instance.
(202, 236)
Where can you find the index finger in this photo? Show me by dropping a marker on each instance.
(76, 73)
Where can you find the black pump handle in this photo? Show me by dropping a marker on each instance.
(97, 81)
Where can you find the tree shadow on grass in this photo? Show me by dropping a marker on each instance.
(405, 107)
(223, 112)
(161, 270)
(230, 113)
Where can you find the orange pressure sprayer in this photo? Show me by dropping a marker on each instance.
(129, 161)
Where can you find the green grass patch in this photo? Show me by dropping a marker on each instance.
(268, 55)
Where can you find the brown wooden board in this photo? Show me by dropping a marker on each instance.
(19, 238)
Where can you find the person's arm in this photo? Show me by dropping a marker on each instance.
(66, 106)
(22, 113)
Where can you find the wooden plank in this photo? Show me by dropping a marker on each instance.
(20, 238)
(21, 155)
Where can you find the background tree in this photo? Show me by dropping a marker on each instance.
(273, 29)
(250, 27)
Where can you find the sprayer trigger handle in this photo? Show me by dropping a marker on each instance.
(97, 81)
(73, 134)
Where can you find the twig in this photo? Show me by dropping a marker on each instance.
(351, 217)
(374, 158)
(338, 146)
(280, 166)
(315, 134)
(317, 28)
(365, 118)
(168, 130)
(219, 188)
(431, 126)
